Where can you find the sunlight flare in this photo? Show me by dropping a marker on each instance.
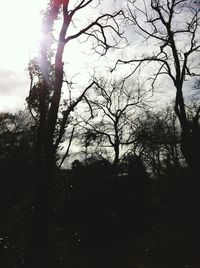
(19, 27)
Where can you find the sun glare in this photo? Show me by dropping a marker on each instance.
(20, 30)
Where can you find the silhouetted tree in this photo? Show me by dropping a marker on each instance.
(47, 89)
(109, 127)
(165, 23)
(158, 142)
(159, 21)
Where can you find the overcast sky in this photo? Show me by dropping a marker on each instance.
(20, 31)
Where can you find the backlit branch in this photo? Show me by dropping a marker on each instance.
(98, 28)
(67, 112)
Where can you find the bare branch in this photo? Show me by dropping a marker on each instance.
(68, 147)
(100, 28)
(67, 112)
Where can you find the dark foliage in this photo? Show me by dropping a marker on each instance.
(97, 219)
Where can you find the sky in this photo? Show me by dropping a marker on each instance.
(19, 28)
(20, 31)
(20, 24)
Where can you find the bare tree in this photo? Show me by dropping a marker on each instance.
(109, 129)
(158, 143)
(172, 26)
(49, 85)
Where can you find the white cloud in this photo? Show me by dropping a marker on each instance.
(14, 88)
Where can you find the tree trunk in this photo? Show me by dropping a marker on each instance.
(44, 175)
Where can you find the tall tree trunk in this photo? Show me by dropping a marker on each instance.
(44, 174)
(45, 153)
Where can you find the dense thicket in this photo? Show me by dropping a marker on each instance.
(141, 216)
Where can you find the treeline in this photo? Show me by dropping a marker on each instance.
(135, 212)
